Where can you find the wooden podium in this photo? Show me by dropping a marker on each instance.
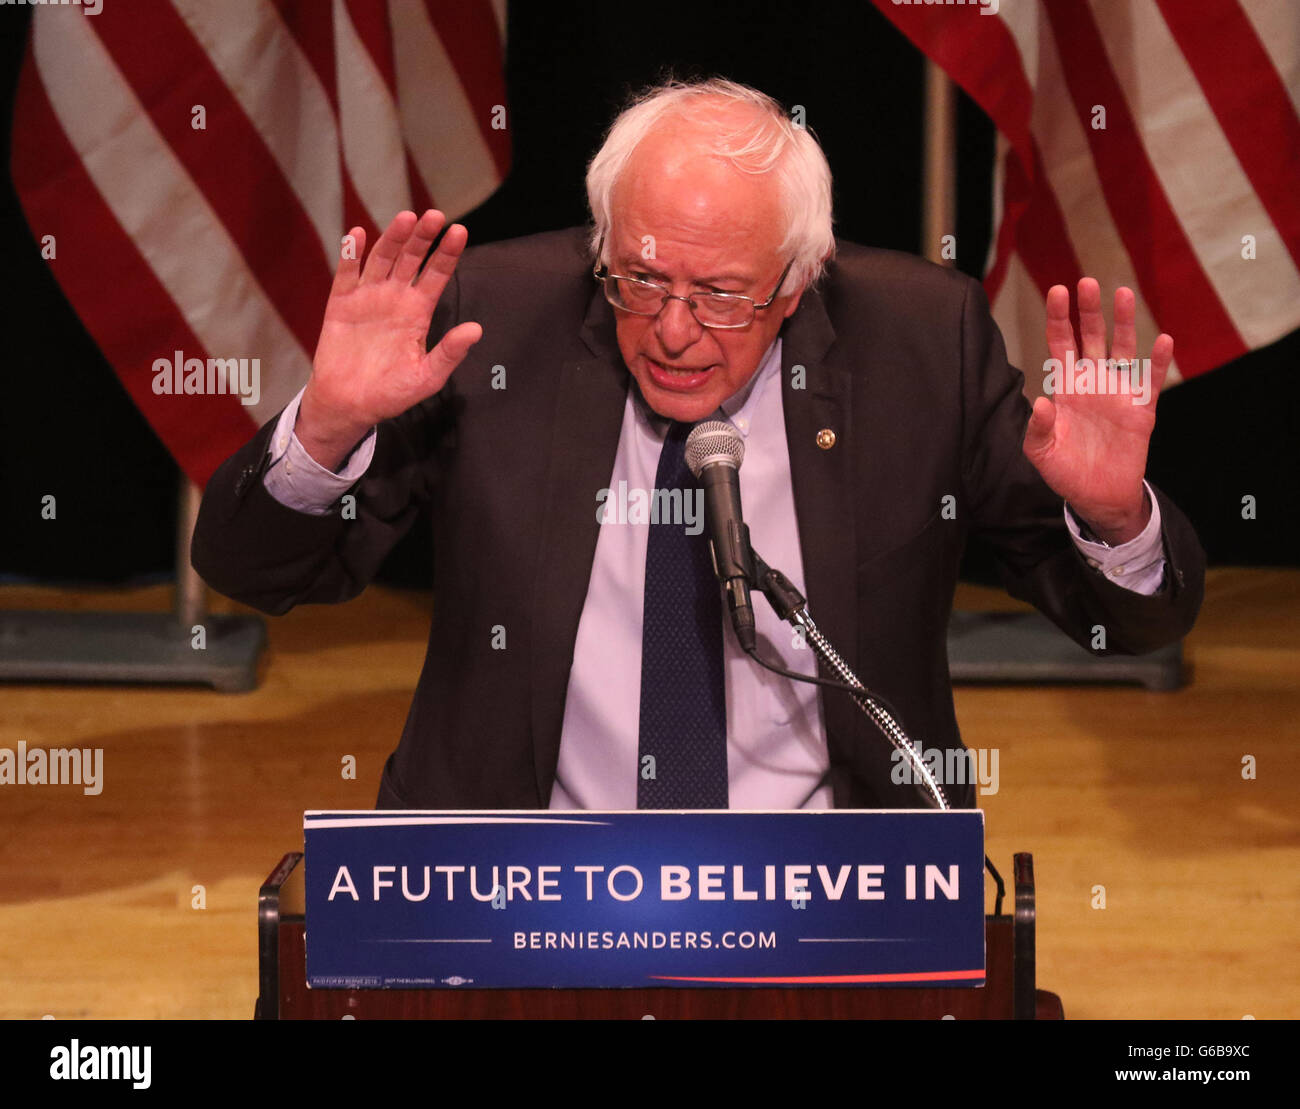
(1009, 992)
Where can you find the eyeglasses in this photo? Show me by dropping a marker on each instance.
(715, 310)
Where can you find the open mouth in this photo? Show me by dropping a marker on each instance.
(677, 377)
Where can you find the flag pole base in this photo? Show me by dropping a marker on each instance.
(1026, 647)
(131, 647)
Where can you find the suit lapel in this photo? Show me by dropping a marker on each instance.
(824, 486)
(587, 418)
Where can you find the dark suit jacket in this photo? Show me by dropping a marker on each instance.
(901, 360)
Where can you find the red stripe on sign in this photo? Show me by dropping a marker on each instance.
(112, 288)
(1172, 282)
(834, 979)
(468, 32)
(224, 159)
(1250, 102)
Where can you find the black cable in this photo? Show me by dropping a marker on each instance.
(829, 683)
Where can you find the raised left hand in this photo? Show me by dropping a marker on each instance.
(1091, 447)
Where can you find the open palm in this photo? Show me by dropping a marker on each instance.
(1091, 447)
(371, 363)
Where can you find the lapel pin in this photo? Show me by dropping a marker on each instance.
(826, 438)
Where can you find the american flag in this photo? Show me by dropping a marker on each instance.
(190, 168)
(1148, 143)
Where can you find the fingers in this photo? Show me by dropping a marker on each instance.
(434, 277)
(385, 251)
(452, 348)
(350, 252)
(417, 246)
(1124, 345)
(1060, 332)
(1122, 349)
(1162, 355)
(402, 248)
(1092, 324)
(1038, 434)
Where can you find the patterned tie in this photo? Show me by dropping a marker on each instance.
(683, 700)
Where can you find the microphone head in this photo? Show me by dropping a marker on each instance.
(714, 441)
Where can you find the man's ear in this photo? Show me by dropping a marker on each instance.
(794, 303)
(795, 299)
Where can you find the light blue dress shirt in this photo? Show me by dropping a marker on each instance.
(776, 738)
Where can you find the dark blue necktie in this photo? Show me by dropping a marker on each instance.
(683, 700)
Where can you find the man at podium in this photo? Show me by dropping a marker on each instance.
(538, 393)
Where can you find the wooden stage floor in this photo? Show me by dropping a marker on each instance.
(1140, 793)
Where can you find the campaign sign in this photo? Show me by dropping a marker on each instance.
(651, 898)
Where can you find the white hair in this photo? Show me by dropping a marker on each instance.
(767, 141)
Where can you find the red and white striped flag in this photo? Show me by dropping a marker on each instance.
(1148, 143)
(189, 170)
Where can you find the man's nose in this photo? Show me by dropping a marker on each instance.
(676, 327)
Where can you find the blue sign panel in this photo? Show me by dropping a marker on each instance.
(595, 899)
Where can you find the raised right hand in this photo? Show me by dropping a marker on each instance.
(370, 361)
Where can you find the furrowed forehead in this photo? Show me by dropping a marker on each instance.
(632, 261)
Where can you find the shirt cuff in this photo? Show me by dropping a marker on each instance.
(298, 481)
(1138, 565)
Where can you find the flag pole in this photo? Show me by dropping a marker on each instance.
(939, 171)
(191, 593)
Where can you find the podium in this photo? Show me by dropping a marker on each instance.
(1010, 990)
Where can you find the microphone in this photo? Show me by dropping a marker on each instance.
(714, 451)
